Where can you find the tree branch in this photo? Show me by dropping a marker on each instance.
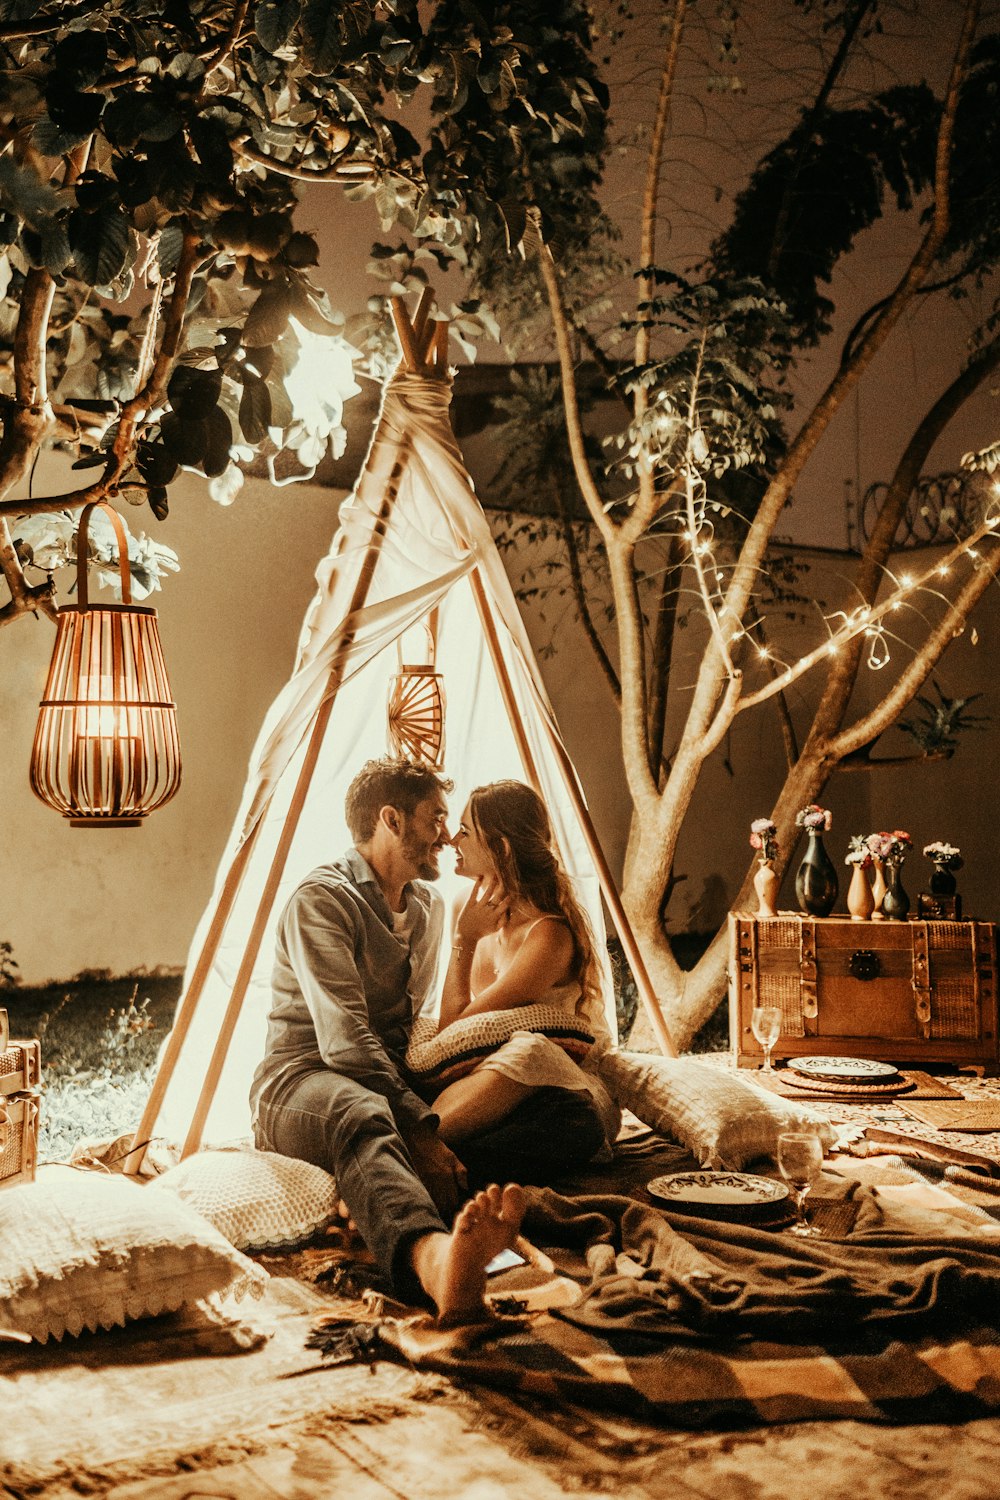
(751, 557)
(661, 653)
(225, 51)
(862, 621)
(338, 171)
(23, 599)
(646, 502)
(817, 107)
(871, 569)
(912, 679)
(571, 397)
(580, 596)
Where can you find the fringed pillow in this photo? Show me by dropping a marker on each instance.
(440, 1057)
(79, 1251)
(723, 1120)
(259, 1200)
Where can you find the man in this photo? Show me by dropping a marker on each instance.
(356, 960)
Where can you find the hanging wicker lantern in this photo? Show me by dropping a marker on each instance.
(416, 715)
(106, 752)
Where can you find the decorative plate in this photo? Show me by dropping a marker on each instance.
(844, 1069)
(723, 1195)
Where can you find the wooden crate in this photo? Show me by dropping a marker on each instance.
(18, 1138)
(904, 992)
(20, 1067)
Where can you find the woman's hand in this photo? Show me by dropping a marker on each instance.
(484, 911)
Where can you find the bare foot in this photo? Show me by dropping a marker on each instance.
(452, 1268)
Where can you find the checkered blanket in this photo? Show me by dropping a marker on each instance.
(701, 1323)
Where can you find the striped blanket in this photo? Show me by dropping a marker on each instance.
(701, 1323)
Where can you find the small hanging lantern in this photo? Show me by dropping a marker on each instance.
(106, 751)
(416, 708)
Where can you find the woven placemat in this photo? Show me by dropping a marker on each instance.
(798, 1084)
(956, 1114)
(926, 1086)
(918, 1085)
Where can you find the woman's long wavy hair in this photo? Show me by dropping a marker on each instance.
(512, 822)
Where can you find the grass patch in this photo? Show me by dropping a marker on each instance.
(100, 1037)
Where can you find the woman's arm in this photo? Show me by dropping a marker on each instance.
(483, 912)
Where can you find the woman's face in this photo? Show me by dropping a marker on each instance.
(472, 858)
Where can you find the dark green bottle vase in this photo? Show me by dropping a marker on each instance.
(816, 883)
(895, 902)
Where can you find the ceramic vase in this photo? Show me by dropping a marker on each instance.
(860, 901)
(895, 902)
(816, 883)
(765, 883)
(942, 881)
(878, 890)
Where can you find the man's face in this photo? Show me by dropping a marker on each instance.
(423, 834)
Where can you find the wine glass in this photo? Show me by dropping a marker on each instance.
(800, 1159)
(765, 1023)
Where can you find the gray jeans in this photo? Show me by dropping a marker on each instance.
(337, 1124)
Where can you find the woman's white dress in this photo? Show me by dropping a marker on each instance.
(537, 1062)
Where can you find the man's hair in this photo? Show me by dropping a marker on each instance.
(388, 783)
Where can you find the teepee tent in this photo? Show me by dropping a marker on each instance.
(413, 559)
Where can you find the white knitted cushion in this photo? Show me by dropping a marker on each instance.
(723, 1120)
(83, 1251)
(259, 1200)
(442, 1056)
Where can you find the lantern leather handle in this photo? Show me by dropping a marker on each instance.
(81, 554)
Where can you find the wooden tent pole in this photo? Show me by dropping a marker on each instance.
(189, 1005)
(227, 896)
(289, 827)
(610, 891)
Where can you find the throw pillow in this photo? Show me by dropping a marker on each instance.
(440, 1057)
(80, 1251)
(723, 1120)
(259, 1200)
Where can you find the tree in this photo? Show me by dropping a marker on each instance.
(155, 287)
(709, 456)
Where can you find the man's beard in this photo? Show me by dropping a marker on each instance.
(425, 859)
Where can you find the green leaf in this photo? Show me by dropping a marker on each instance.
(184, 437)
(321, 35)
(168, 248)
(255, 409)
(274, 22)
(219, 442)
(268, 318)
(100, 244)
(22, 190)
(193, 392)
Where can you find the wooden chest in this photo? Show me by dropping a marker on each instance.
(20, 1075)
(904, 992)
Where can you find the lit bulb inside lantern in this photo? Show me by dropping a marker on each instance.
(99, 717)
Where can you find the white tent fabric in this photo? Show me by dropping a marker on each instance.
(434, 537)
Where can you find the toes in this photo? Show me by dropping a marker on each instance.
(491, 1200)
(512, 1203)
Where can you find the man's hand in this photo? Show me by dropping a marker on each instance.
(438, 1168)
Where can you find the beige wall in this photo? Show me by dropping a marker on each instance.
(73, 899)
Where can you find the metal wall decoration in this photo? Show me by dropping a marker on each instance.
(941, 509)
(106, 752)
(415, 707)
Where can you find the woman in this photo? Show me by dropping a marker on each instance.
(520, 939)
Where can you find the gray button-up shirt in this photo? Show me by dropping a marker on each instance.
(346, 988)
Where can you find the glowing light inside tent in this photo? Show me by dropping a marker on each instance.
(321, 380)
